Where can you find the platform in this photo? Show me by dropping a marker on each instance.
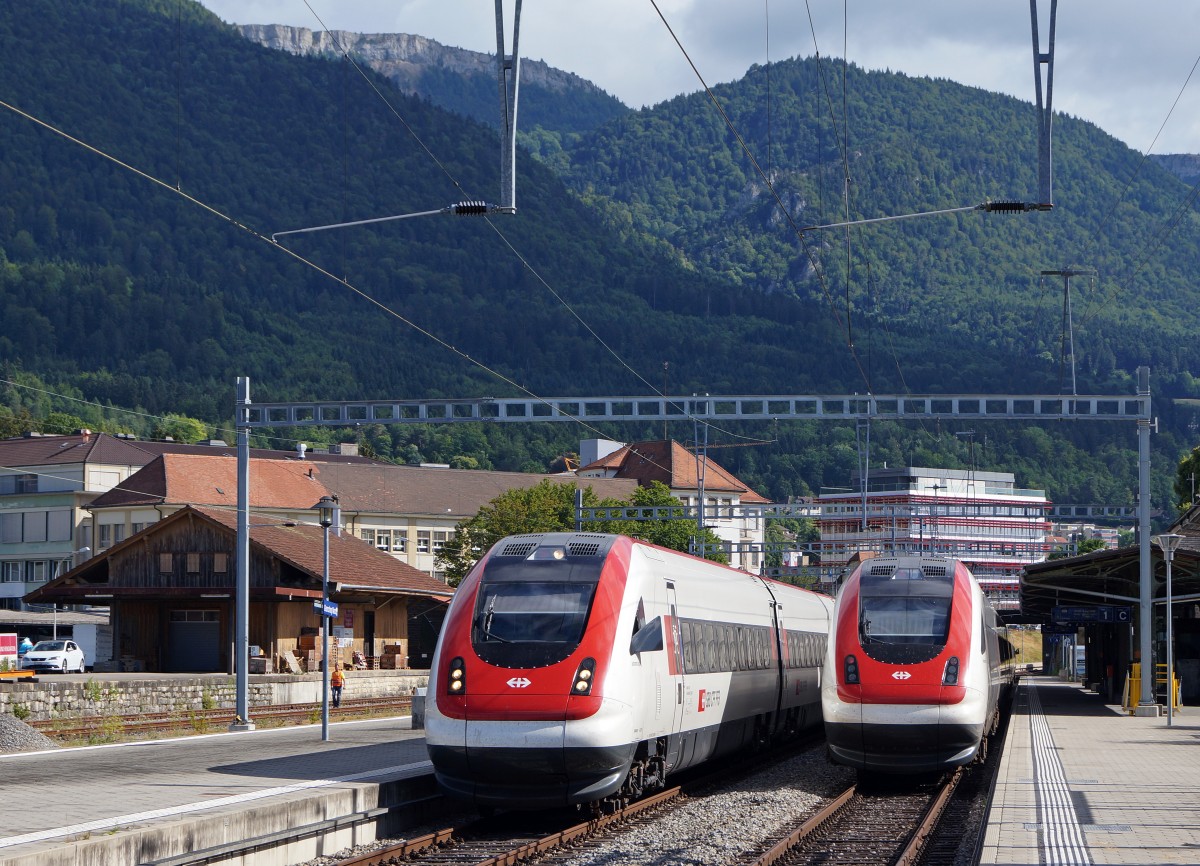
(1082, 782)
(146, 802)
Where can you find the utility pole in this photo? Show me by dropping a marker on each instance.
(1068, 327)
(1043, 62)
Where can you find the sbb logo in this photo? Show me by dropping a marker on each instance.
(708, 698)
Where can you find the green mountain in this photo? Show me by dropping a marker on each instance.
(647, 239)
(678, 173)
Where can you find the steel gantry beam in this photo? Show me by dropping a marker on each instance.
(877, 407)
(845, 407)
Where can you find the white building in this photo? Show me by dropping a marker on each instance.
(981, 518)
(691, 479)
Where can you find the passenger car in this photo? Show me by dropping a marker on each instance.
(63, 656)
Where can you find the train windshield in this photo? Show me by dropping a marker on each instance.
(904, 615)
(530, 623)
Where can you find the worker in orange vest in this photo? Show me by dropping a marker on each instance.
(336, 681)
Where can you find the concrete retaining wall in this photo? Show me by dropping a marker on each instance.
(105, 695)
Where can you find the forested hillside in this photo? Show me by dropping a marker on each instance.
(911, 145)
(664, 267)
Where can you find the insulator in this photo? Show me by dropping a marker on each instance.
(1006, 207)
(470, 208)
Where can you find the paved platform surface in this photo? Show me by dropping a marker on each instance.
(1082, 782)
(55, 798)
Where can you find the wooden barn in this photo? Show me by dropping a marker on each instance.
(170, 590)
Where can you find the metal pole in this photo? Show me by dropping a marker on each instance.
(1147, 706)
(241, 649)
(1168, 543)
(325, 641)
(1170, 651)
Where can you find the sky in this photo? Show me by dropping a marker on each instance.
(1120, 65)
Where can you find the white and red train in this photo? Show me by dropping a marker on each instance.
(916, 667)
(578, 668)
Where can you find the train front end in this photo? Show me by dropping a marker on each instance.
(517, 715)
(905, 685)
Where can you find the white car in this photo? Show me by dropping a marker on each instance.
(63, 656)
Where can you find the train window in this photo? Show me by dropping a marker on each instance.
(530, 623)
(711, 661)
(741, 649)
(689, 648)
(904, 620)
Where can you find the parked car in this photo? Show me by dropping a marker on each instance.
(63, 656)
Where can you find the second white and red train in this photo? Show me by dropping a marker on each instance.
(916, 668)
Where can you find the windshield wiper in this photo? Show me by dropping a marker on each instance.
(487, 622)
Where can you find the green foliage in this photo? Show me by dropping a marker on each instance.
(20, 711)
(652, 225)
(550, 507)
(181, 429)
(545, 507)
(1186, 476)
(675, 534)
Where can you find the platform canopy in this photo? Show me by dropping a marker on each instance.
(1107, 577)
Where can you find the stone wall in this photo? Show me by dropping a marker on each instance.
(128, 694)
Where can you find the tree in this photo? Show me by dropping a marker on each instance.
(675, 534)
(545, 507)
(1186, 476)
(550, 507)
(180, 428)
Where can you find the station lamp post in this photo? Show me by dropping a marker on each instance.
(326, 508)
(1168, 543)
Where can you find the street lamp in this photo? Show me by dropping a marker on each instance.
(326, 508)
(1168, 542)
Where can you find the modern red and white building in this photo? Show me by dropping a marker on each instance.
(982, 518)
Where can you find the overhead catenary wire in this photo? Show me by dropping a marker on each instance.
(344, 282)
(767, 182)
(482, 209)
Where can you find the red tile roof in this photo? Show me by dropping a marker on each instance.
(354, 565)
(352, 562)
(673, 465)
(43, 450)
(375, 488)
(183, 479)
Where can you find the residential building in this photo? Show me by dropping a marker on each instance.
(170, 590)
(409, 512)
(47, 482)
(981, 518)
(692, 479)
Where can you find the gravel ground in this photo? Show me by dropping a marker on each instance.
(16, 736)
(718, 828)
(709, 830)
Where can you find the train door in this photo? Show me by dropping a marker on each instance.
(676, 661)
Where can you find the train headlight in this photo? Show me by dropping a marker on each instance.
(950, 675)
(457, 677)
(582, 684)
(850, 670)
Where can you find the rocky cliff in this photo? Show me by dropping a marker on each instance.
(419, 66)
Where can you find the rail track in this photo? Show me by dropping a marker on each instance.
(877, 826)
(200, 720)
(508, 839)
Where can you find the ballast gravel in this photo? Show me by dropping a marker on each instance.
(16, 736)
(711, 829)
(720, 827)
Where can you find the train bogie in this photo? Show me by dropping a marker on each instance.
(577, 668)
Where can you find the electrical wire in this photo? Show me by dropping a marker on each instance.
(1087, 314)
(504, 238)
(770, 186)
(344, 282)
